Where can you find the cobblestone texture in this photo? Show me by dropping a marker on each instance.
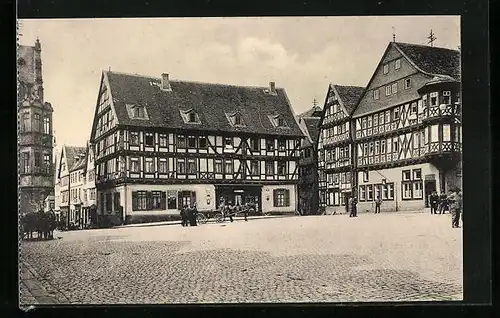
(297, 259)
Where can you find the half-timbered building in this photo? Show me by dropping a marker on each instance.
(161, 144)
(335, 148)
(308, 163)
(89, 205)
(69, 182)
(408, 129)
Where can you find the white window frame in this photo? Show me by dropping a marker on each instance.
(376, 94)
(385, 68)
(388, 91)
(417, 190)
(447, 97)
(404, 174)
(407, 189)
(436, 96)
(397, 64)
(394, 88)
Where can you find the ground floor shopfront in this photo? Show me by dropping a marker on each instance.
(405, 188)
(125, 202)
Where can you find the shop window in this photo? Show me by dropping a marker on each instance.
(281, 197)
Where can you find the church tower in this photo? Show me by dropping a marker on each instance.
(35, 137)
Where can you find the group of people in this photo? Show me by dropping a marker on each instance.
(229, 210)
(352, 205)
(451, 202)
(439, 203)
(189, 214)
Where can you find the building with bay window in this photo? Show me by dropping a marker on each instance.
(407, 128)
(335, 148)
(35, 137)
(161, 144)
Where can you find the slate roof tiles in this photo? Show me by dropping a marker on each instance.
(211, 102)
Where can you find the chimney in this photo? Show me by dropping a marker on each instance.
(165, 83)
(272, 87)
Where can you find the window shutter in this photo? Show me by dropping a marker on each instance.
(163, 200)
(287, 197)
(275, 198)
(134, 201)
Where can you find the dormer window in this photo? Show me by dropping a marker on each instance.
(235, 119)
(190, 116)
(136, 111)
(278, 121)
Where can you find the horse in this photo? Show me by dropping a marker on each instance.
(46, 224)
(28, 225)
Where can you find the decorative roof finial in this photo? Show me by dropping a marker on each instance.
(431, 38)
(393, 34)
(315, 102)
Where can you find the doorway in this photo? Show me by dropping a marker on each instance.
(429, 186)
(345, 200)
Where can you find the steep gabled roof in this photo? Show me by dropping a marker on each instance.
(210, 102)
(315, 111)
(432, 60)
(349, 96)
(71, 153)
(312, 125)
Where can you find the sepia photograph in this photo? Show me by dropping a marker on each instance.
(240, 160)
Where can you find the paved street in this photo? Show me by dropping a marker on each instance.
(294, 259)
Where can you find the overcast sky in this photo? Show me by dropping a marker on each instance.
(302, 55)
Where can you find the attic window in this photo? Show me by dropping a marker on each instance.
(136, 111)
(235, 119)
(278, 121)
(190, 116)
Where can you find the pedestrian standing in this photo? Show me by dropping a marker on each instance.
(191, 216)
(378, 203)
(230, 210)
(443, 203)
(184, 215)
(434, 201)
(195, 214)
(352, 206)
(455, 200)
(245, 211)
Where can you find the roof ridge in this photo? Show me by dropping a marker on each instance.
(189, 81)
(353, 86)
(426, 46)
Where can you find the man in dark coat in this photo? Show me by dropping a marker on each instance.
(352, 205)
(455, 199)
(443, 203)
(191, 216)
(184, 216)
(434, 201)
(230, 210)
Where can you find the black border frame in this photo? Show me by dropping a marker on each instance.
(476, 154)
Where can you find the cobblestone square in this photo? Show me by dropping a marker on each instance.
(384, 257)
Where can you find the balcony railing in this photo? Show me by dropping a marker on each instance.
(441, 111)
